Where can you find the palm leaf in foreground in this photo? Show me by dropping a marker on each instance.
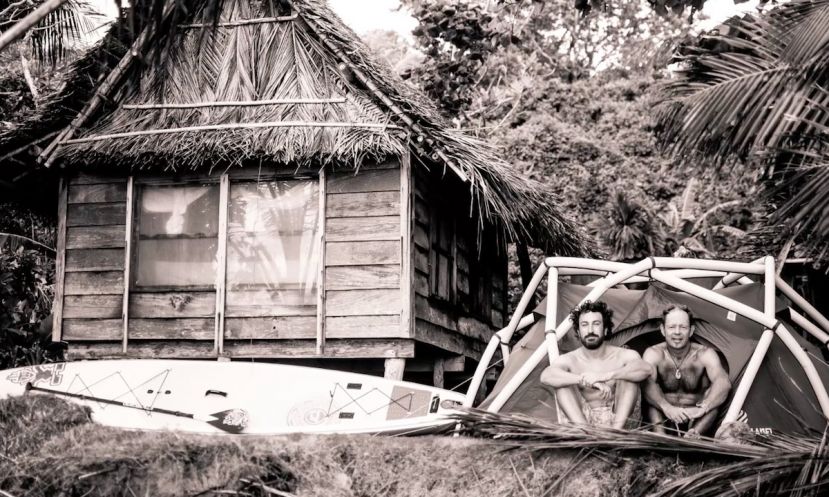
(770, 465)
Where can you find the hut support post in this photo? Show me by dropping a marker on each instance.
(60, 260)
(394, 368)
(221, 272)
(438, 373)
(760, 350)
(320, 347)
(125, 306)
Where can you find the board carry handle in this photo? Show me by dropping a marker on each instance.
(215, 392)
(229, 420)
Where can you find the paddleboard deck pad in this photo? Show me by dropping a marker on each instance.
(237, 397)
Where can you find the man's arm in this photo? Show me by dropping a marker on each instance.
(653, 392)
(720, 384)
(559, 373)
(634, 368)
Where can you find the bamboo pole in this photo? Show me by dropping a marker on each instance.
(22, 26)
(48, 155)
(241, 103)
(240, 22)
(219, 127)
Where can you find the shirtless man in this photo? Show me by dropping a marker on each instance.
(689, 383)
(596, 384)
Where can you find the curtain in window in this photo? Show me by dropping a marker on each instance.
(177, 236)
(273, 244)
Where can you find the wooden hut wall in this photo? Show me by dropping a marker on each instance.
(460, 297)
(362, 306)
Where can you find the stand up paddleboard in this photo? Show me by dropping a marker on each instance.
(236, 397)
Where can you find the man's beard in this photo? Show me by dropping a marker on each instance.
(592, 345)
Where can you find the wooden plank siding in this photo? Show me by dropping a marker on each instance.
(451, 325)
(363, 254)
(93, 283)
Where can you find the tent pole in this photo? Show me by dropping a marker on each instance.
(550, 337)
(747, 380)
(810, 327)
(802, 303)
(756, 360)
(735, 277)
(759, 317)
(487, 356)
(539, 354)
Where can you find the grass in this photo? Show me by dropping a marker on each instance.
(49, 447)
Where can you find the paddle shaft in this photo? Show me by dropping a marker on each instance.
(81, 396)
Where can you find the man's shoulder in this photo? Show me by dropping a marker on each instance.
(622, 351)
(659, 348)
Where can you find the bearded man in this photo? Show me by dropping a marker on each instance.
(689, 383)
(596, 384)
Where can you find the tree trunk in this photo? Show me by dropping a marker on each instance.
(27, 75)
(526, 268)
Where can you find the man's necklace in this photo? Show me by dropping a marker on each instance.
(678, 373)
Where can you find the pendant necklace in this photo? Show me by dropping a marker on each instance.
(678, 373)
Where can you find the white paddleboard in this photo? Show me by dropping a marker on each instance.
(236, 397)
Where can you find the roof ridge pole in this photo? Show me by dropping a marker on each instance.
(753, 366)
(49, 154)
(758, 317)
(541, 352)
(505, 334)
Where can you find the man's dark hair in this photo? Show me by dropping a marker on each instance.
(681, 307)
(600, 307)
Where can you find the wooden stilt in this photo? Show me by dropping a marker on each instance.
(437, 374)
(394, 368)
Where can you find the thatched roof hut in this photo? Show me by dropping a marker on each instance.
(278, 90)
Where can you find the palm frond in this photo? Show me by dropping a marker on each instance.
(774, 465)
(65, 27)
(741, 94)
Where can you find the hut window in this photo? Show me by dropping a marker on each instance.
(177, 237)
(441, 253)
(273, 247)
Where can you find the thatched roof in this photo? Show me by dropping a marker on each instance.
(364, 112)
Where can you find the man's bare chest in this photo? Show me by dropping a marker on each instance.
(687, 378)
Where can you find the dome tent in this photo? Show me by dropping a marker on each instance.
(784, 394)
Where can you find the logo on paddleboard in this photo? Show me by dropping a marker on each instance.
(46, 373)
(307, 414)
(236, 417)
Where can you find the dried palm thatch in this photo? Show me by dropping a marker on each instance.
(360, 111)
(768, 465)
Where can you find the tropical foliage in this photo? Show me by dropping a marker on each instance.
(753, 96)
(27, 266)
